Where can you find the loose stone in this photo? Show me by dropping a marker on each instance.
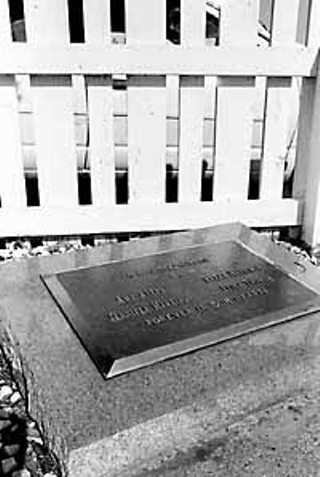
(21, 473)
(8, 465)
(11, 450)
(5, 392)
(16, 396)
(4, 424)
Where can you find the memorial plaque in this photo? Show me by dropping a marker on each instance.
(133, 313)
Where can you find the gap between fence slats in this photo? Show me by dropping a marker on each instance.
(55, 140)
(102, 154)
(12, 186)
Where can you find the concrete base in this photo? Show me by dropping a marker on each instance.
(180, 417)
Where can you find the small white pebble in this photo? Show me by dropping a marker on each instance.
(5, 391)
(21, 473)
(16, 396)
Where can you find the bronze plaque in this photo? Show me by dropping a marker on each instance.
(137, 312)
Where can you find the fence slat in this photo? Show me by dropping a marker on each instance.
(238, 23)
(233, 138)
(193, 23)
(102, 155)
(145, 22)
(275, 138)
(235, 98)
(12, 186)
(146, 138)
(285, 22)
(46, 21)
(55, 140)
(97, 22)
(191, 138)
(5, 29)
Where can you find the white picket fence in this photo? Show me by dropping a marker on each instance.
(63, 80)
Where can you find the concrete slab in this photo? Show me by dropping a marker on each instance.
(152, 420)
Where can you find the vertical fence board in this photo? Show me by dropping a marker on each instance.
(275, 140)
(235, 102)
(55, 140)
(46, 21)
(285, 22)
(314, 24)
(12, 186)
(97, 22)
(146, 24)
(146, 139)
(5, 28)
(191, 138)
(193, 22)
(238, 22)
(102, 155)
(306, 187)
(233, 138)
(191, 106)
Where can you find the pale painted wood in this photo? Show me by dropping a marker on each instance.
(55, 140)
(12, 185)
(304, 136)
(235, 99)
(314, 23)
(97, 25)
(172, 99)
(79, 220)
(285, 22)
(311, 211)
(210, 88)
(191, 138)
(83, 59)
(146, 22)
(102, 154)
(275, 139)
(146, 139)
(5, 27)
(79, 94)
(46, 22)
(235, 102)
(238, 23)
(193, 22)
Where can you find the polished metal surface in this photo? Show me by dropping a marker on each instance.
(136, 312)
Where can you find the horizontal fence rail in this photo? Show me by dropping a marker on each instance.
(211, 119)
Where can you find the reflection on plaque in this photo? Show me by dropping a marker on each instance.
(137, 312)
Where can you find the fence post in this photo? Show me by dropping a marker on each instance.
(306, 187)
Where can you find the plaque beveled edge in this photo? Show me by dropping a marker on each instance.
(69, 309)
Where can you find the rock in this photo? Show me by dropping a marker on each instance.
(16, 396)
(4, 414)
(11, 450)
(5, 391)
(4, 424)
(21, 473)
(8, 465)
